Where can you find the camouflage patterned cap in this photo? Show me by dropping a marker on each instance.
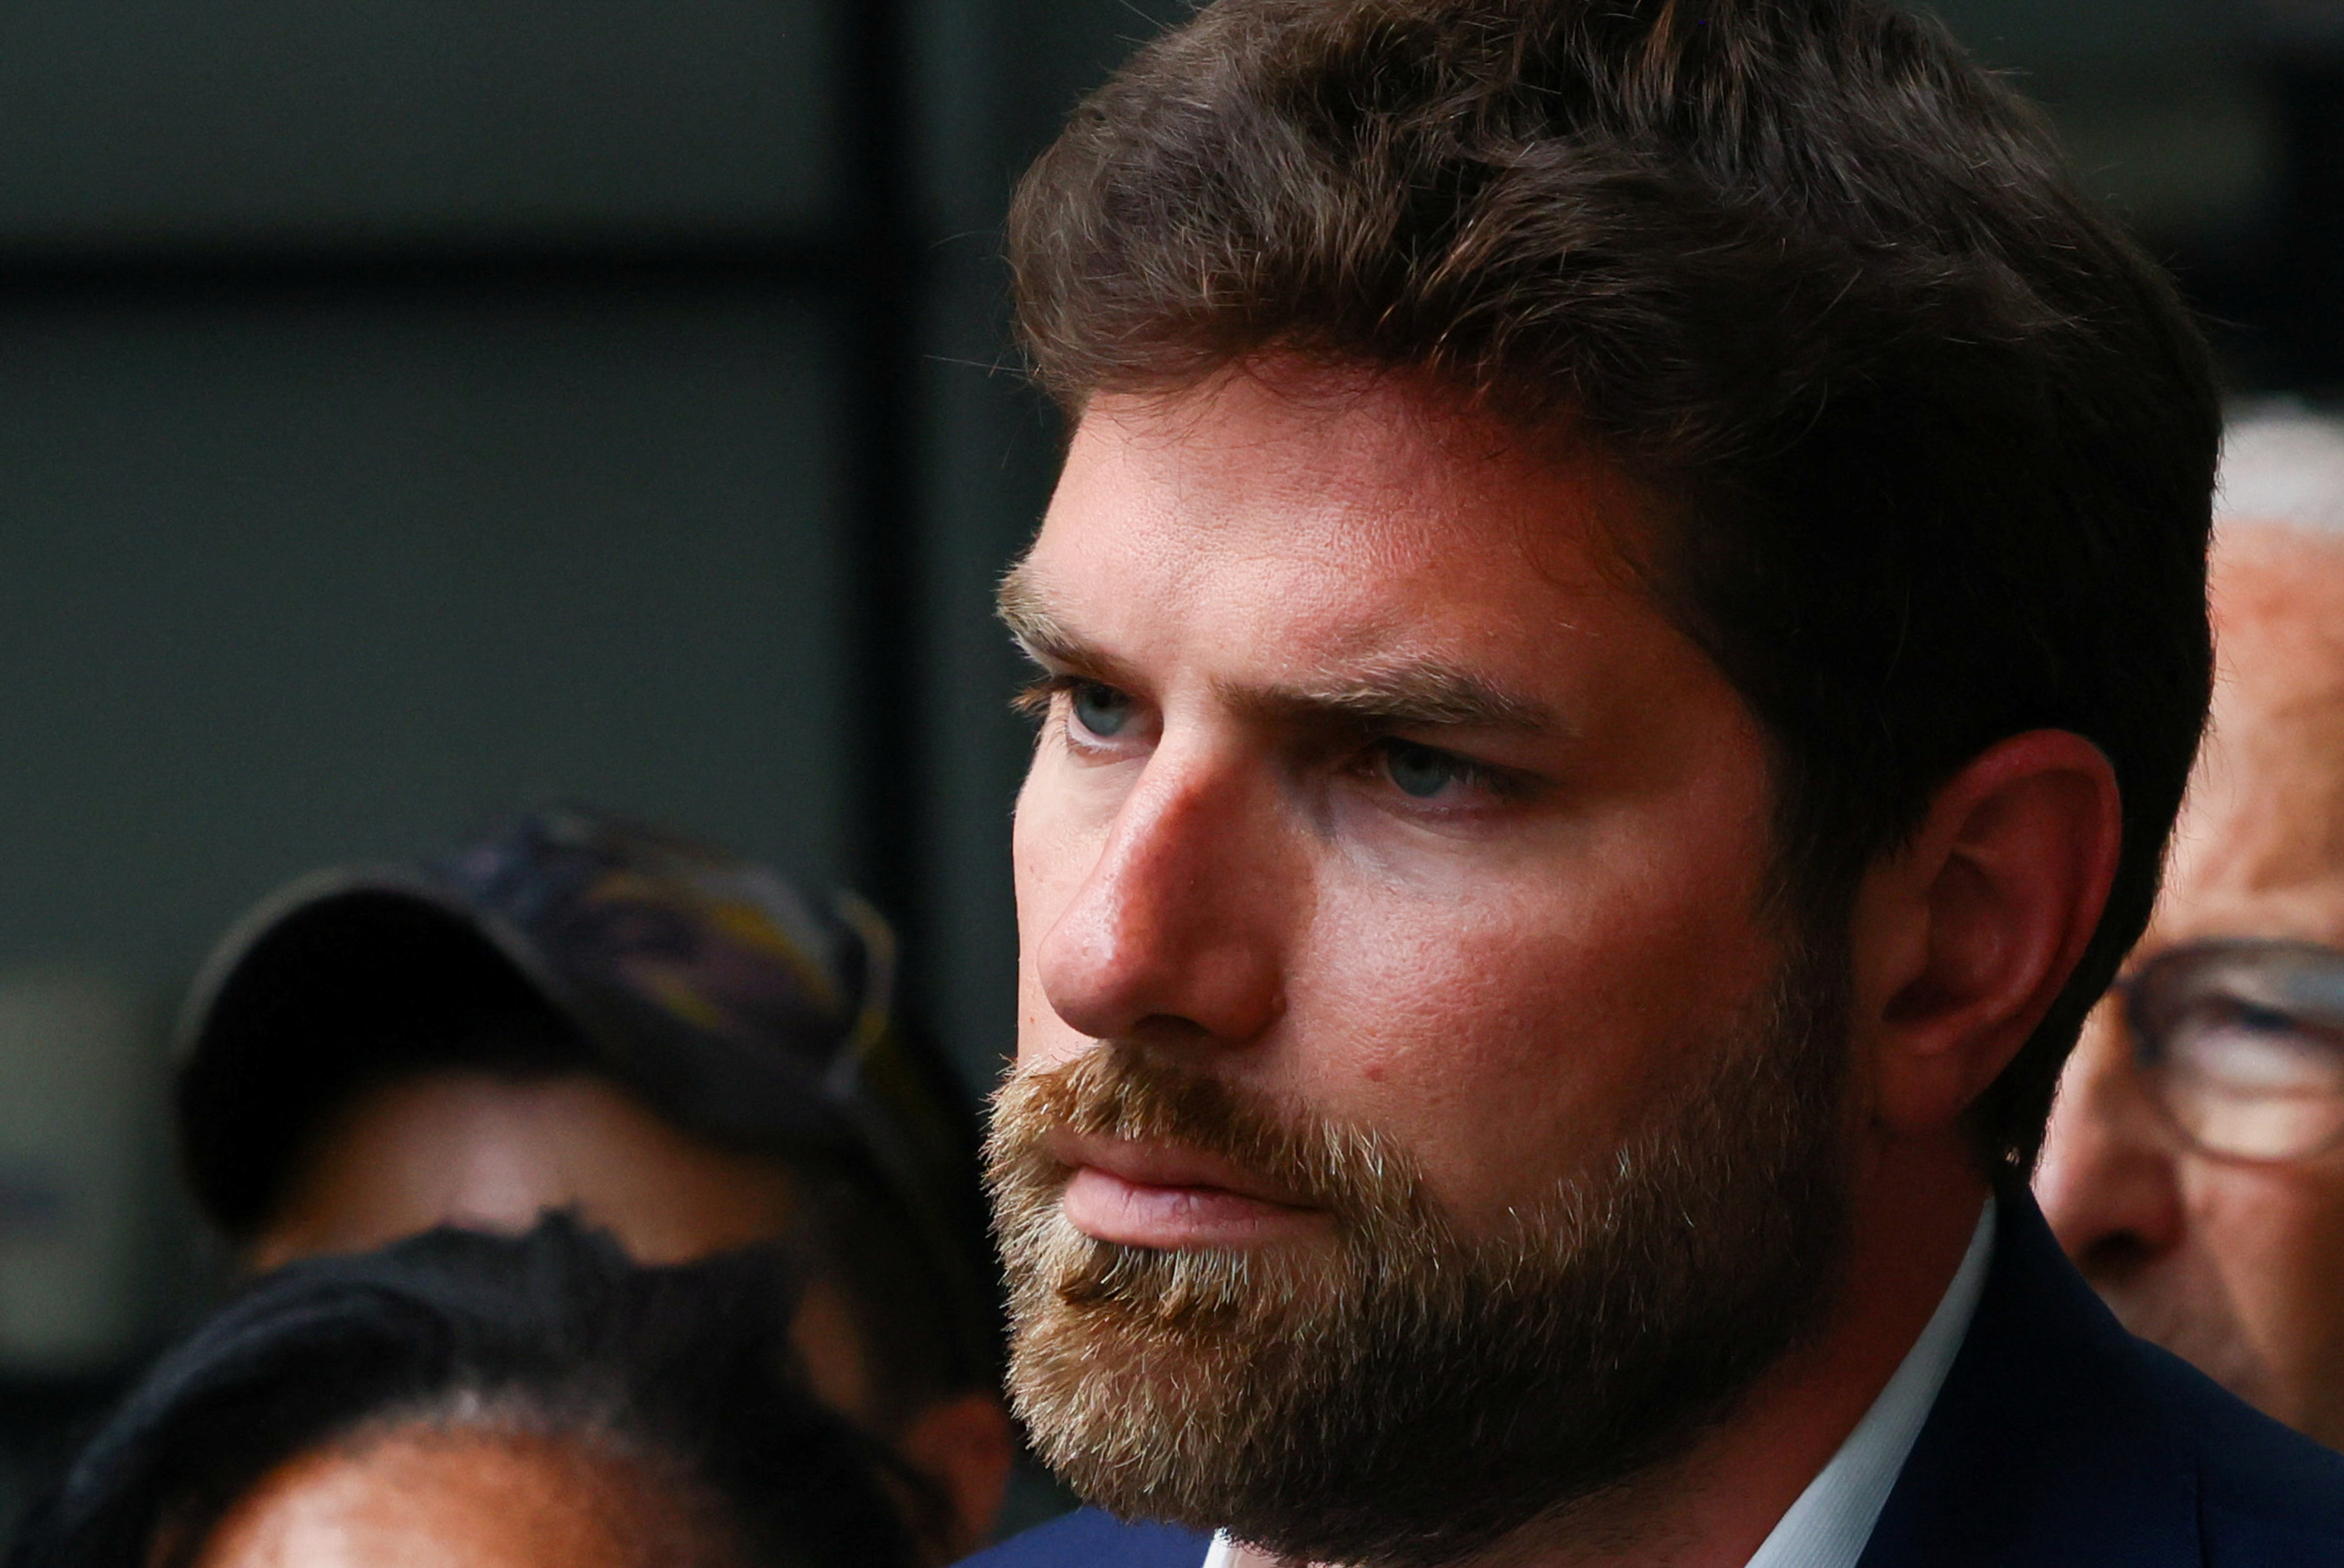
(730, 1001)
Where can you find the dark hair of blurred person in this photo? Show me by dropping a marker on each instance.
(579, 1012)
(482, 1402)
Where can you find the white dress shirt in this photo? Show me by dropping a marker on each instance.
(1828, 1525)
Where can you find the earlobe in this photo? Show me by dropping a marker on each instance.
(1976, 925)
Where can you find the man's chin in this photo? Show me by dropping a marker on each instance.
(1334, 1401)
(1130, 1368)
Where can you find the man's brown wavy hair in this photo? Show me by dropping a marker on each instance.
(1933, 442)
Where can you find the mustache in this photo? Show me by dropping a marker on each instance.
(1128, 1093)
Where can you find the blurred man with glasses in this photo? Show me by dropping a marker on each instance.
(2195, 1166)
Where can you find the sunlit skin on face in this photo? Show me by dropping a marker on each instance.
(2237, 1265)
(429, 1498)
(1372, 782)
(1276, 600)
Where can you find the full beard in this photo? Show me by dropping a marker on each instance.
(1408, 1395)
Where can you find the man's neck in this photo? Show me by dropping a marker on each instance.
(1715, 1507)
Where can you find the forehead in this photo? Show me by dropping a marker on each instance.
(484, 1498)
(1316, 519)
(2260, 848)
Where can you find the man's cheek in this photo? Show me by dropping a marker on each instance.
(1042, 1037)
(1048, 860)
(2273, 1234)
(1473, 1064)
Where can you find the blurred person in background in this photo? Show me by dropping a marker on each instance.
(2195, 1165)
(583, 1014)
(477, 1402)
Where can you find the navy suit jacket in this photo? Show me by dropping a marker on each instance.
(2058, 1440)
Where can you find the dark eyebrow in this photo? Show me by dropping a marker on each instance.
(1407, 693)
(1414, 694)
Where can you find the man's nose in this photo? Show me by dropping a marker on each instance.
(2107, 1181)
(1176, 922)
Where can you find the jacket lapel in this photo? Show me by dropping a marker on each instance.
(1088, 1538)
(2048, 1446)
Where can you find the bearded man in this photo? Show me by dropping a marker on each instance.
(1622, 632)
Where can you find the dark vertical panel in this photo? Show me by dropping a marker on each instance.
(882, 309)
(2306, 83)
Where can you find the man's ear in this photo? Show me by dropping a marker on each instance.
(1965, 937)
(964, 1447)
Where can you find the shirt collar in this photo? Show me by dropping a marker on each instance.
(1828, 1525)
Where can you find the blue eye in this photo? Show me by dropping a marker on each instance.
(1101, 710)
(2265, 1020)
(1420, 771)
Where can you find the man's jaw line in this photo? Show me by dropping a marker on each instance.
(1166, 1197)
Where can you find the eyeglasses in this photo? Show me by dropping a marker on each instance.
(2241, 1044)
